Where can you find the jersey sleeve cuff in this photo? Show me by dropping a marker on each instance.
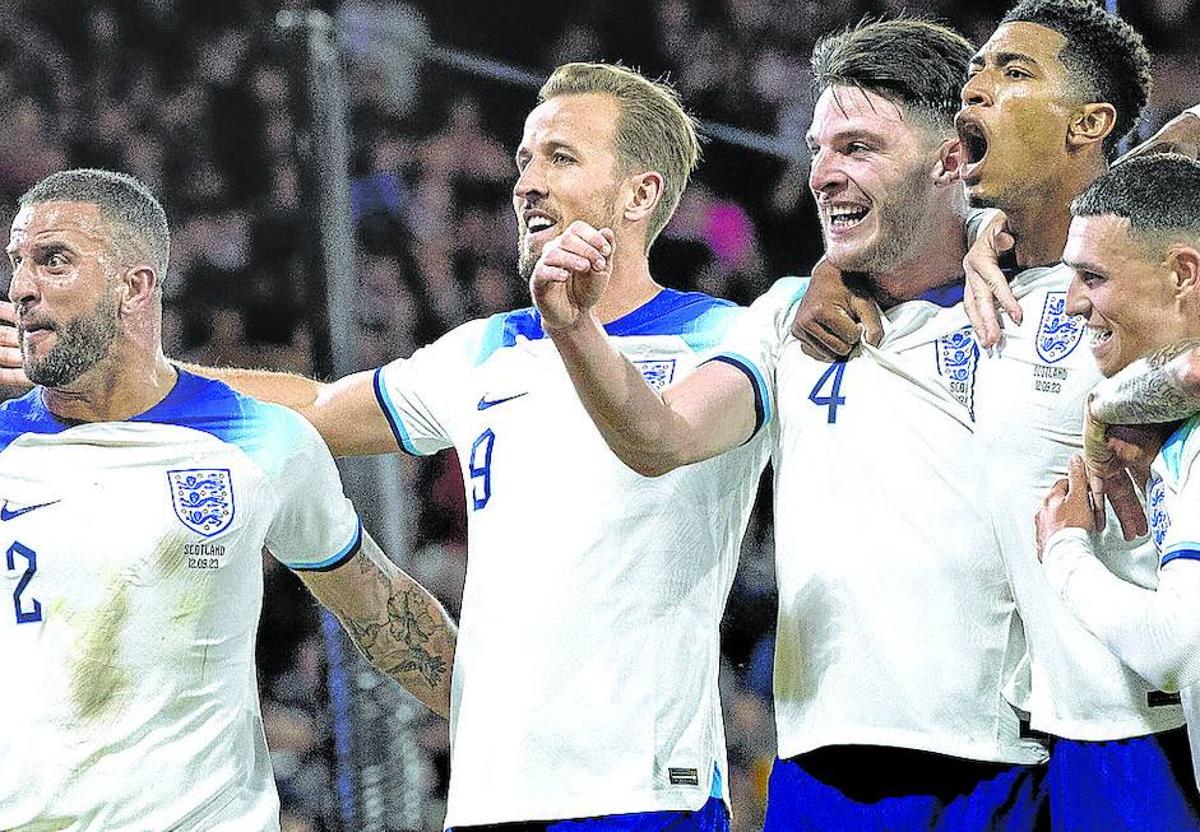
(762, 394)
(761, 391)
(393, 416)
(1189, 550)
(334, 561)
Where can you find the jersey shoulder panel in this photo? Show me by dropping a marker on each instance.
(700, 320)
(269, 434)
(313, 526)
(1179, 452)
(27, 414)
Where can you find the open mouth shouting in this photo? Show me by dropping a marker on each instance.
(975, 147)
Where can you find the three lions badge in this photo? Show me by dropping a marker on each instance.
(203, 499)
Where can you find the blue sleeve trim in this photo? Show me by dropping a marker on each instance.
(331, 563)
(1181, 554)
(762, 397)
(1173, 447)
(393, 417)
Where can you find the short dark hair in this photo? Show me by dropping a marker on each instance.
(1159, 195)
(917, 63)
(1105, 56)
(124, 201)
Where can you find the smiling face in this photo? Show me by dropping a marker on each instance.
(65, 289)
(1128, 295)
(567, 170)
(1017, 106)
(872, 179)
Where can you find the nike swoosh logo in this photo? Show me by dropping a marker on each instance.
(6, 514)
(485, 402)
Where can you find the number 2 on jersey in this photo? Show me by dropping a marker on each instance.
(480, 468)
(35, 613)
(833, 376)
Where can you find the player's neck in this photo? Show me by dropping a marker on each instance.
(1040, 225)
(630, 287)
(936, 263)
(1040, 233)
(117, 388)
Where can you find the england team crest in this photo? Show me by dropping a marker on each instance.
(1058, 333)
(1156, 505)
(957, 361)
(658, 373)
(203, 499)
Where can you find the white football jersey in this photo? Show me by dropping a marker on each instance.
(1029, 402)
(585, 677)
(134, 569)
(1157, 631)
(896, 622)
(1174, 514)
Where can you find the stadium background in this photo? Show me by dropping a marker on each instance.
(194, 97)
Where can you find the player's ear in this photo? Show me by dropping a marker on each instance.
(1090, 124)
(947, 169)
(1184, 263)
(645, 190)
(139, 287)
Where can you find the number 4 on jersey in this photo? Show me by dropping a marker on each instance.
(832, 376)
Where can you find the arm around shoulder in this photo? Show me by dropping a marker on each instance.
(345, 412)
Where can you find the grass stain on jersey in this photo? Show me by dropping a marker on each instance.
(168, 555)
(96, 677)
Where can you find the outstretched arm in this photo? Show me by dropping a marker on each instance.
(709, 411)
(394, 621)
(1179, 135)
(345, 412)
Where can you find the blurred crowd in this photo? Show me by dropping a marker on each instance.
(194, 97)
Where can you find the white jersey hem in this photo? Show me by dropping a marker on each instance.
(664, 800)
(1023, 752)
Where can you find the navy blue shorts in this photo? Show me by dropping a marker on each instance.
(1134, 784)
(873, 789)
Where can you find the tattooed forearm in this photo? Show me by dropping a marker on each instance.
(1162, 387)
(399, 644)
(394, 622)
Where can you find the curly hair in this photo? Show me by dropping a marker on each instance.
(1105, 56)
(917, 63)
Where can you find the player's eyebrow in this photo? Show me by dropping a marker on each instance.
(1002, 58)
(550, 146)
(1083, 266)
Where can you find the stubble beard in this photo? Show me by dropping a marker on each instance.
(526, 257)
(80, 346)
(901, 221)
